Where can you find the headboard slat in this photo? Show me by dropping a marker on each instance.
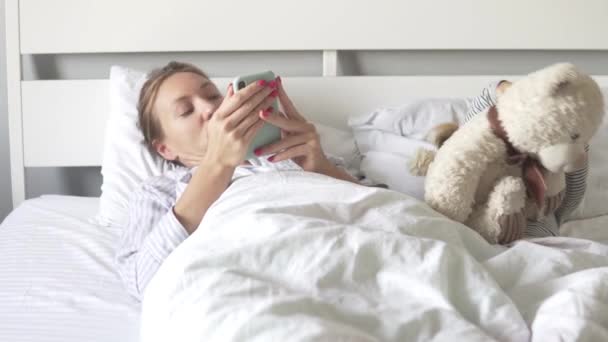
(76, 26)
(64, 120)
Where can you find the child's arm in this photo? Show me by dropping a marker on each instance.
(576, 184)
(486, 99)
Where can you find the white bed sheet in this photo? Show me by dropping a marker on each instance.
(595, 229)
(57, 277)
(299, 256)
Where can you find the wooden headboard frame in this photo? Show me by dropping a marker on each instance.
(60, 122)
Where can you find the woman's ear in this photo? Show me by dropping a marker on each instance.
(164, 150)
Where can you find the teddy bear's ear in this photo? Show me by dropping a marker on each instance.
(559, 86)
(557, 77)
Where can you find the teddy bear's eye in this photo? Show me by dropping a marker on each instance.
(574, 136)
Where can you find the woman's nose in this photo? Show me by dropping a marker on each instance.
(204, 108)
(207, 113)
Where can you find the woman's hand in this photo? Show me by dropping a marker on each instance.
(300, 140)
(236, 122)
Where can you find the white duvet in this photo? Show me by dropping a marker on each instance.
(296, 256)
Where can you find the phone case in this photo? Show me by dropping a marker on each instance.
(268, 133)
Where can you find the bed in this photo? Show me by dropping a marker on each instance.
(58, 278)
(416, 276)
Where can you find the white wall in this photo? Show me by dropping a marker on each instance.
(86, 181)
(5, 189)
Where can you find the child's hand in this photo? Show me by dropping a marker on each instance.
(502, 87)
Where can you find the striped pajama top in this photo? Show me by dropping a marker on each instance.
(153, 231)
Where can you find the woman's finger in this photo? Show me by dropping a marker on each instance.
(285, 101)
(224, 104)
(289, 125)
(283, 144)
(261, 101)
(237, 99)
(252, 131)
(290, 153)
(247, 122)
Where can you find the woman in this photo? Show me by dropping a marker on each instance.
(186, 120)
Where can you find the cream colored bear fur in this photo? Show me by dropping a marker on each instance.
(549, 115)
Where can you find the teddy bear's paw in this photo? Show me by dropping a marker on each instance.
(552, 203)
(440, 133)
(508, 196)
(512, 227)
(419, 165)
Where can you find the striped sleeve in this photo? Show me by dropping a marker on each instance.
(483, 101)
(576, 184)
(152, 233)
(546, 226)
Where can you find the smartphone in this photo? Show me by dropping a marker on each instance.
(268, 133)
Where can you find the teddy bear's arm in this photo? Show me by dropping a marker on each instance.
(461, 168)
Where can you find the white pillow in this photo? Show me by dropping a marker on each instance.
(392, 169)
(339, 143)
(127, 162)
(414, 119)
(389, 138)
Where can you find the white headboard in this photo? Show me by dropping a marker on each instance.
(61, 122)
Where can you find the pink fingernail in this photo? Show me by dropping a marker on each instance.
(265, 114)
(271, 159)
(272, 84)
(257, 152)
(274, 93)
(269, 110)
(262, 82)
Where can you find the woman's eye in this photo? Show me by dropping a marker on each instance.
(214, 97)
(187, 112)
(574, 136)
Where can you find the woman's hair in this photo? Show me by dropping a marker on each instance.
(148, 122)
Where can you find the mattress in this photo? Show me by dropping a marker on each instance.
(57, 277)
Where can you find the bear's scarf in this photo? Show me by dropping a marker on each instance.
(532, 169)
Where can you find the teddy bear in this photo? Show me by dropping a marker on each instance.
(508, 164)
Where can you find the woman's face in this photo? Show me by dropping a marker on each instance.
(184, 104)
